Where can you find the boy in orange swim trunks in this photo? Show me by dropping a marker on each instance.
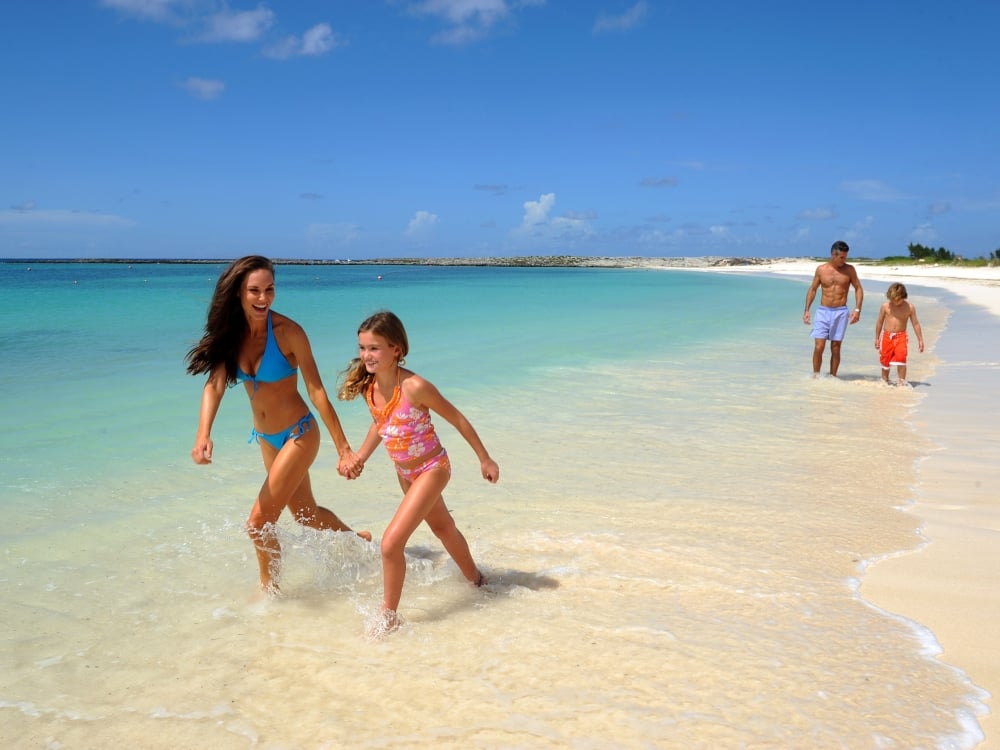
(890, 331)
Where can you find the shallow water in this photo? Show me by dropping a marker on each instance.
(673, 550)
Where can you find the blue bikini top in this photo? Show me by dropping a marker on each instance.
(273, 365)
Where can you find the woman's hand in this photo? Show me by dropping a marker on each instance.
(202, 451)
(350, 465)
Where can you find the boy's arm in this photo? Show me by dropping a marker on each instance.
(880, 321)
(916, 326)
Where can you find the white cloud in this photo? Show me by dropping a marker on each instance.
(871, 190)
(627, 20)
(537, 220)
(537, 212)
(26, 214)
(458, 36)
(822, 213)
(468, 20)
(924, 234)
(658, 182)
(152, 10)
(859, 231)
(237, 26)
(204, 88)
(421, 223)
(318, 40)
(342, 233)
(478, 12)
(570, 224)
(938, 208)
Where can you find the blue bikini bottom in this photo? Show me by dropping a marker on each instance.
(278, 439)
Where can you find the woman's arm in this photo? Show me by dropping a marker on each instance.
(211, 397)
(298, 344)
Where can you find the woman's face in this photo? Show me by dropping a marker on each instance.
(258, 294)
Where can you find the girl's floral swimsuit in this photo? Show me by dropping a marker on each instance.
(408, 435)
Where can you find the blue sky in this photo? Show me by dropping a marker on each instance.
(402, 128)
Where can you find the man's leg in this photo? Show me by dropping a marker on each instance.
(819, 345)
(835, 357)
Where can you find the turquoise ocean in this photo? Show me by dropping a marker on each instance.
(674, 548)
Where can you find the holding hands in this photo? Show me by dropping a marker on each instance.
(350, 465)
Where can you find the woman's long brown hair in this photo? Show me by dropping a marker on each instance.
(226, 324)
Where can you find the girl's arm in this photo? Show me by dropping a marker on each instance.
(420, 392)
(367, 449)
(211, 397)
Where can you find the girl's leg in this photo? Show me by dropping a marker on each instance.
(286, 470)
(419, 498)
(443, 525)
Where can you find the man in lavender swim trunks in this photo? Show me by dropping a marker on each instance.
(832, 316)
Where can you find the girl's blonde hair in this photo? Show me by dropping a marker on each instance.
(385, 324)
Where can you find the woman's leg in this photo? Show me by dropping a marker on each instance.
(305, 510)
(286, 470)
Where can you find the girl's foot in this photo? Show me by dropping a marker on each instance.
(385, 622)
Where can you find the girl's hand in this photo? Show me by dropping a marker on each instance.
(491, 470)
(350, 465)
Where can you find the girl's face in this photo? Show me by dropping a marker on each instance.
(258, 294)
(377, 354)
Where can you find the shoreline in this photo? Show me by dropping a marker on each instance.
(950, 581)
(944, 577)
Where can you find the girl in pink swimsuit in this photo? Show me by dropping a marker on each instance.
(400, 402)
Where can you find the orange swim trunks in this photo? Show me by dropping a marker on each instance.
(892, 349)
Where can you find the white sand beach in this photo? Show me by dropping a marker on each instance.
(952, 583)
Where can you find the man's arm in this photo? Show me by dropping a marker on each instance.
(859, 295)
(810, 296)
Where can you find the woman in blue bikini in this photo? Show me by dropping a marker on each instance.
(246, 342)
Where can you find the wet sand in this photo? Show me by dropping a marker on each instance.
(951, 584)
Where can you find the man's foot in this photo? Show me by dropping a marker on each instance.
(366, 535)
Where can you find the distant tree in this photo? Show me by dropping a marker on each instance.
(919, 252)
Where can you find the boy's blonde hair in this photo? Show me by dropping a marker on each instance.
(896, 292)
